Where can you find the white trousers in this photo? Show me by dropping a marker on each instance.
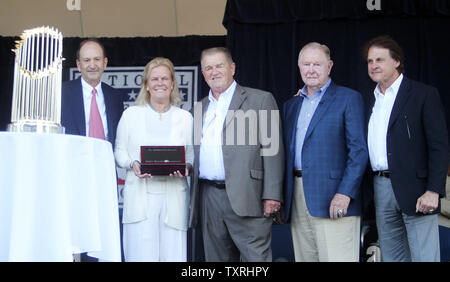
(151, 240)
(322, 239)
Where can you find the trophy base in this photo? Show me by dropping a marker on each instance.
(35, 127)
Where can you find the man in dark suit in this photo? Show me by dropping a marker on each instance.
(409, 156)
(90, 107)
(238, 174)
(77, 112)
(325, 161)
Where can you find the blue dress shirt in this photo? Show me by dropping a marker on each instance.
(309, 106)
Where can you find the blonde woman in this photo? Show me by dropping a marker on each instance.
(155, 208)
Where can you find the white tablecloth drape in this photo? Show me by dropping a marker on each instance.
(58, 196)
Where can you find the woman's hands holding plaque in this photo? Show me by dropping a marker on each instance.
(186, 172)
(136, 166)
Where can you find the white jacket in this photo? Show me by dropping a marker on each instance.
(141, 126)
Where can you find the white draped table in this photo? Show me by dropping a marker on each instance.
(58, 196)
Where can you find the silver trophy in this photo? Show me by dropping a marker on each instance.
(36, 103)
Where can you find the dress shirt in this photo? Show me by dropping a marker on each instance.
(211, 159)
(309, 106)
(378, 125)
(87, 98)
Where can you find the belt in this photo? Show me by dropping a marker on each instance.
(219, 184)
(383, 173)
(297, 172)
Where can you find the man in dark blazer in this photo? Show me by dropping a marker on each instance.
(76, 94)
(238, 174)
(325, 161)
(77, 108)
(409, 156)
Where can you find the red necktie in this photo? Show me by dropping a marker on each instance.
(95, 120)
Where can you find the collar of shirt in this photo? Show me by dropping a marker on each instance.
(87, 90)
(219, 107)
(226, 95)
(318, 93)
(391, 90)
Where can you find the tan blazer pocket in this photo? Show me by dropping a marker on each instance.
(257, 174)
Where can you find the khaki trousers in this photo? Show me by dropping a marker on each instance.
(322, 239)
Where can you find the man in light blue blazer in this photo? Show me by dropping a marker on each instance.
(325, 161)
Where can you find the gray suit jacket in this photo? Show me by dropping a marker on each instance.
(253, 171)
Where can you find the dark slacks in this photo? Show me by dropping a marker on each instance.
(228, 237)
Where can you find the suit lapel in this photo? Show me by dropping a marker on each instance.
(369, 108)
(292, 117)
(401, 99)
(78, 107)
(205, 103)
(199, 111)
(239, 97)
(108, 108)
(327, 99)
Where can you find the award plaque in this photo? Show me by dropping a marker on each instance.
(162, 160)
